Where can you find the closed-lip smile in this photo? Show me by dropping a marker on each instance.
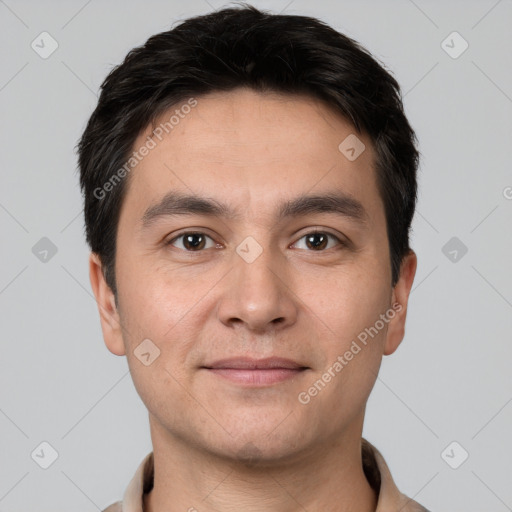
(256, 372)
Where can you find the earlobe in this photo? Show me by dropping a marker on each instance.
(109, 316)
(399, 301)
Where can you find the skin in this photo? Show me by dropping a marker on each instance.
(218, 445)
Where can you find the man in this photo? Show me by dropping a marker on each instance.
(249, 183)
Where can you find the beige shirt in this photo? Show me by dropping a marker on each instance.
(374, 465)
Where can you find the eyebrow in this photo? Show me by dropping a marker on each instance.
(176, 203)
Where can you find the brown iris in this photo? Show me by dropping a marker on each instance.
(317, 240)
(194, 241)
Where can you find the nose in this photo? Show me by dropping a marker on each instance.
(258, 295)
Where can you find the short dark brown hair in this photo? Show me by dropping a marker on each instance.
(245, 47)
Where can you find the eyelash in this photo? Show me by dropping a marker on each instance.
(314, 232)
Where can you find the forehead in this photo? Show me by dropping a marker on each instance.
(252, 148)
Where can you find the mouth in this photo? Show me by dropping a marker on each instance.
(256, 372)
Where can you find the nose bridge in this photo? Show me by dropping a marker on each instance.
(257, 294)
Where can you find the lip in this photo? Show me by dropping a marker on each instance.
(256, 372)
(249, 363)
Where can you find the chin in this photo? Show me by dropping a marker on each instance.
(260, 443)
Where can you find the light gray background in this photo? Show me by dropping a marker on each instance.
(450, 379)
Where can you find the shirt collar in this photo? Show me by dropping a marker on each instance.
(375, 468)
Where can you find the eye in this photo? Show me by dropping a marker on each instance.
(192, 241)
(319, 240)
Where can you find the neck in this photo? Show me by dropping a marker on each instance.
(328, 477)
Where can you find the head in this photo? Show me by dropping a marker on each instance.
(249, 183)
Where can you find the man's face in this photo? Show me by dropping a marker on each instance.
(257, 282)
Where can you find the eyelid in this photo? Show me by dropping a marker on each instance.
(311, 231)
(341, 241)
(189, 231)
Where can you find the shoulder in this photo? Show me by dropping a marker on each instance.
(377, 472)
(414, 506)
(115, 507)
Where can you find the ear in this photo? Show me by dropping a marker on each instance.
(109, 316)
(400, 298)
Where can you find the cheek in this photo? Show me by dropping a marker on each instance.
(161, 387)
(351, 334)
(168, 310)
(160, 331)
(347, 301)
(352, 346)
(153, 301)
